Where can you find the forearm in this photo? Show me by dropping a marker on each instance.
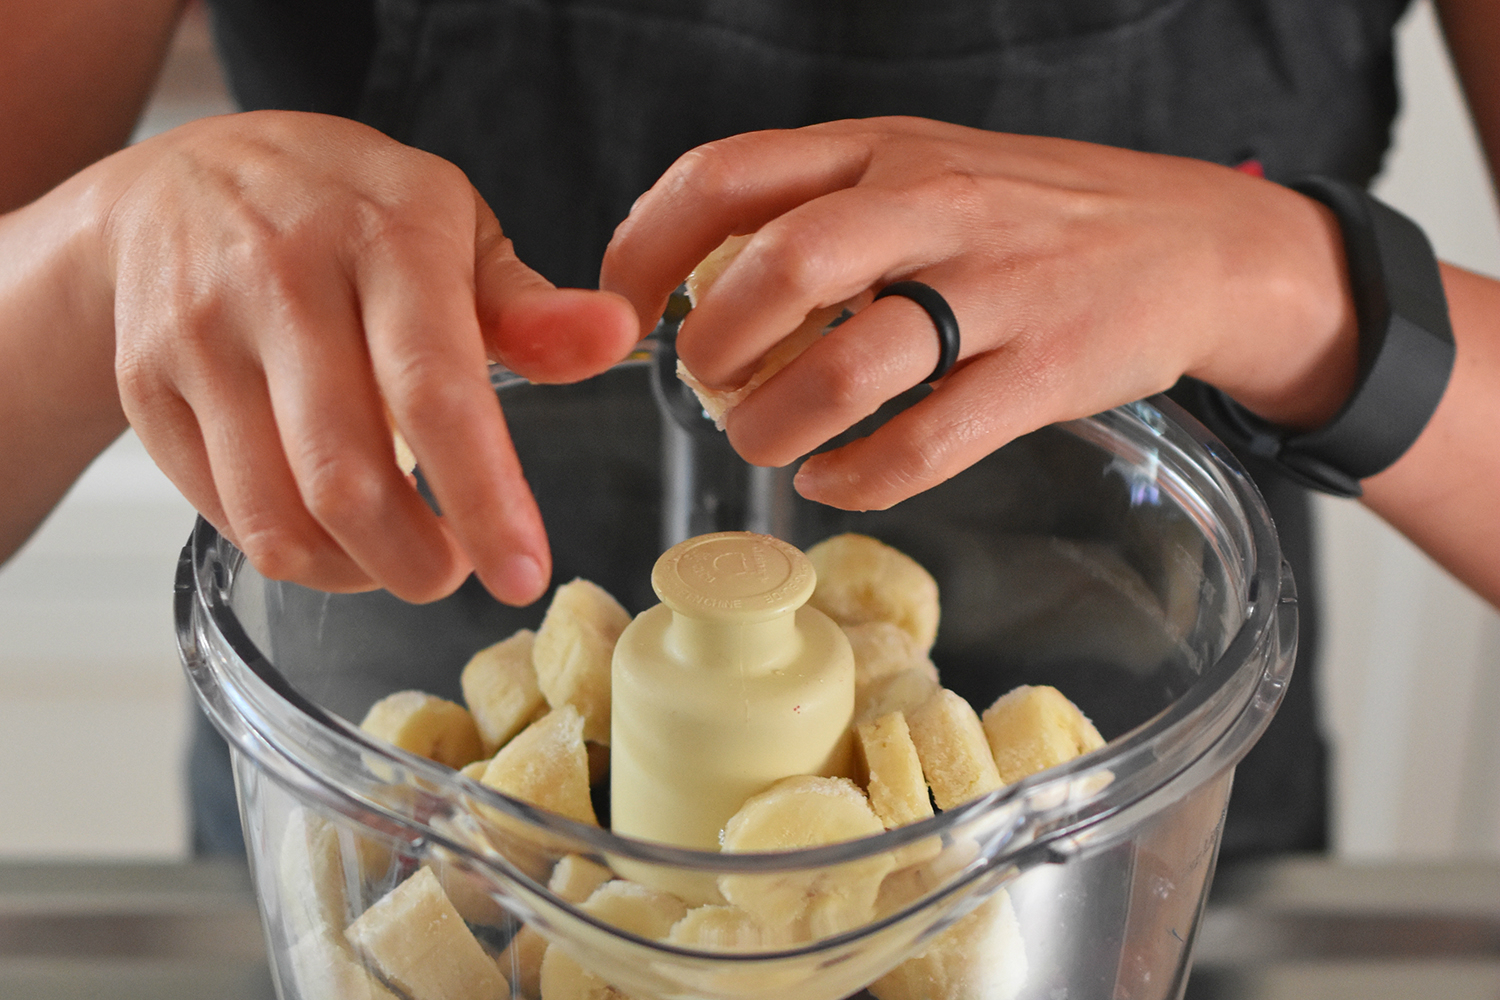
(58, 403)
(1444, 493)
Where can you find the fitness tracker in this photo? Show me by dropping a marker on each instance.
(1405, 354)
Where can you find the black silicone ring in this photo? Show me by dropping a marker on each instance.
(933, 303)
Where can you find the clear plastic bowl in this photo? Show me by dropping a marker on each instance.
(1123, 559)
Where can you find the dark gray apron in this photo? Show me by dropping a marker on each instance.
(562, 113)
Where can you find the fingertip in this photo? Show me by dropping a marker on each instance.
(565, 334)
(520, 579)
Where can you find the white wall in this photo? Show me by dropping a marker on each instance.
(1413, 675)
(93, 708)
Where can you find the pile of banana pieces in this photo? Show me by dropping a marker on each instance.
(535, 726)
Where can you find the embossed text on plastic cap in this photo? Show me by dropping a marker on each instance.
(733, 576)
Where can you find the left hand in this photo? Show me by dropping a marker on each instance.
(1083, 277)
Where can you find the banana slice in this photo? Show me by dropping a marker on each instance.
(500, 688)
(718, 402)
(955, 755)
(426, 725)
(1036, 727)
(418, 942)
(573, 649)
(861, 579)
(805, 811)
(546, 764)
(322, 966)
(897, 790)
(715, 927)
(904, 691)
(574, 879)
(710, 267)
(885, 648)
(630, 906)
(981, 956)
(314, 882)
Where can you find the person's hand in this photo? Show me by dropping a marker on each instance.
(278, 279)
(1083, 277)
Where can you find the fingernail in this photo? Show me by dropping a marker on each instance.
(523, 579)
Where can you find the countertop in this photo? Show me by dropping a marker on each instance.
(1308, 929)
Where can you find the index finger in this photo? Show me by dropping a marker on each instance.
(728, 187)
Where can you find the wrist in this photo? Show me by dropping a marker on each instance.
(1293, 336)
(1404, 356)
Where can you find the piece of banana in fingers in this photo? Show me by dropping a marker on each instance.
(955, 755)
(426, 725)
(417, 941)
(862, 579)
(718, 402)
(573, 650)
(806, 811)
(1035, 727)
(500, 688)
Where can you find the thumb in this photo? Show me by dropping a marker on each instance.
(535, 329)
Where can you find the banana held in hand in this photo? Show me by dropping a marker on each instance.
(718, 402)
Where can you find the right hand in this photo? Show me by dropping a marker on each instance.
(277, 279)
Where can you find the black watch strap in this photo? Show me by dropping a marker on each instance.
(1405, 353)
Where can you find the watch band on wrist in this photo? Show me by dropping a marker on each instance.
(1406, 353)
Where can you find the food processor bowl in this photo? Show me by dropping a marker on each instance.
(1124, 559)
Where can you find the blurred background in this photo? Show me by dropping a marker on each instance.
(94, 710)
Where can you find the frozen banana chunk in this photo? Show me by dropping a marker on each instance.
(862, 579)
(324, 968)
(715, 927)
(904, 691)
(981, 957)
(426, 725)
(954, 752)
(418, 942)
(895, 785)
(718, 402)
(314, 882)
(573, 650)
(500, 688)
(806, 811)
(885, 648)
(574, 879)
(710, 267)
(546, 764)
(1036, 727)
(634, 908)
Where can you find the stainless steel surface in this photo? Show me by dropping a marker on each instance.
(1292, 929)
